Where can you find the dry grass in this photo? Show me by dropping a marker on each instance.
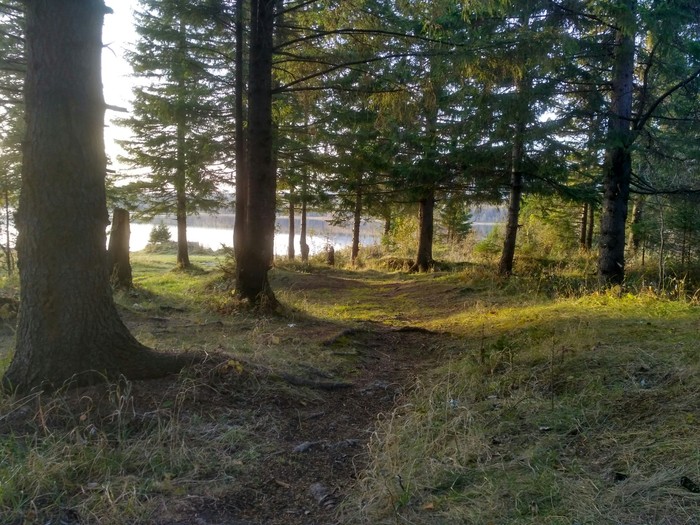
(581, 410)
(553, 404)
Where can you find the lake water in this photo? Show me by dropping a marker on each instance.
(215, 238)
(215, 231)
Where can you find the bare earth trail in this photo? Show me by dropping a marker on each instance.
(317, 444)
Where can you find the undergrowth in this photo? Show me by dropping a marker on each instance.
(556, 402)
(579, 410)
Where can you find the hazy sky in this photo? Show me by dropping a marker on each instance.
(117, 35)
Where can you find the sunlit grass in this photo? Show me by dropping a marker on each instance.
(577, 410)
(555, 402)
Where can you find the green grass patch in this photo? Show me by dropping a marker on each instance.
(554, 403)
(578, 410)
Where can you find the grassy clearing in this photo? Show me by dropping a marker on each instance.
(554, 403)
(569, 411)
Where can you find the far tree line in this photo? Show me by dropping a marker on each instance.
(371, 107)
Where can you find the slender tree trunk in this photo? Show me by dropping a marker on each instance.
(683, 247)
(637, 217)
(505, 266)
(523, 86)
(591, 226)
(255, 262)
(68, 327)
(357, 220)
(618, 161)
(183, 256)
(118, 263)
(8, 246)
(387, 223)
(584, 226)
(662, 248)
(290, 245)
(426, 211)
(303, 246)
(240, 139)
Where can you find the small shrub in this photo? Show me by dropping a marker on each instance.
(160, 233)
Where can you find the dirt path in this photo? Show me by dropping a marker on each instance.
(303, 425)
(320, 446)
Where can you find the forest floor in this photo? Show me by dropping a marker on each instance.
(373, 397)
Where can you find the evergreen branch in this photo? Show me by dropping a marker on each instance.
(641, 122)
(372, 32)
(293, 8)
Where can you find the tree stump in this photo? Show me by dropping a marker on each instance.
(118, 251)
(330, 255)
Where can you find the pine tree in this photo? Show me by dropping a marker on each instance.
(178, 118)
(68, 327)
(12, 72)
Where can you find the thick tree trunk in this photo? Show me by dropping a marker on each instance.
(290, 238)
(357, 221)
(118, 263)
(303, 245)
(505, 265)
(240, 140)
(68, 327)
(618, 160)
(255, 261)
(426, 211)
(584, 227)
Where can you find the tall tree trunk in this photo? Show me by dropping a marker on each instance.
(505, 265)
(290, 244)
(257, 254)
(8, 246)
(240, 139)
(426, 211)
(357, 221)
(68, 327)
(618, 160)
(303, 245)
(584, 226)
(118, 263)
(591, 226)
(662, 248)
(183, 256)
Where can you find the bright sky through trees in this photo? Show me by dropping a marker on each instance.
(118, 36)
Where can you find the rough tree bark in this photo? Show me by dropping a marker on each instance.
(68, 327)
(118, 263)
(617, 169)
(257, 253)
